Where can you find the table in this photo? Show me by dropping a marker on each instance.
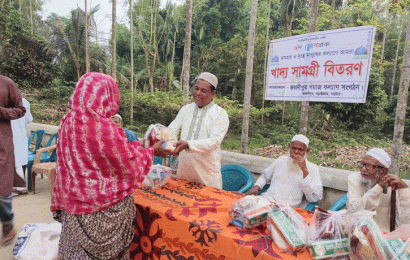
(184, 220)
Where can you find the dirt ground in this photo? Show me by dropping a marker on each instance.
(339, 157)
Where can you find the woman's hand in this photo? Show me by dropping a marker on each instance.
(160, 151)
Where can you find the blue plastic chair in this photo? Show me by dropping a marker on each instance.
(236, 178)
(31, 154)
(39, 138)
(45, 157)
(340, 203)
(310, 206)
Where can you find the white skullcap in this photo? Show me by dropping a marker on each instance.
(380, 155)
(209, 77)
(301, 138)
(117, 115)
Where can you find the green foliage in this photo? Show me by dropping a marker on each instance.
(388, 126)
(58, 91)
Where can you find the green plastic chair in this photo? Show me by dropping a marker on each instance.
(236, 178)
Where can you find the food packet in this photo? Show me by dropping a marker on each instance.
(327, 238)
(159, 132)
(366, 241)
(287, 228)
(249, 211)
(157, 176)
(399, 241)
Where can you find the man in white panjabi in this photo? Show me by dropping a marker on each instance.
(20, 141)
(365, 190)
(202, 126)
(292, 178)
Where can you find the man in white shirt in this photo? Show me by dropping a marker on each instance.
(365, 190)
(20, 141)
(292, 178)
(202, 126)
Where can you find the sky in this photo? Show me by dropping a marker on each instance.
(102, 17)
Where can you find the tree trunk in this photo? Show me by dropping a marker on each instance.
(305, 104)
(397, 55)
(171, 72)
(333, 4)
(248, 77)
(114, 40)
(87, 41)
(131, 67)
(401, 106)
(20, 5)
(266, 59)
(31, 16)
(187, 51)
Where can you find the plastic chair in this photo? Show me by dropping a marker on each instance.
(31, 154)
(46, 157)
(47, 168)
(236, 178)
(39, 138)
(310, 206)
(340, 203)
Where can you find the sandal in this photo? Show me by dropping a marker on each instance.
(19, 192)
(8, 233)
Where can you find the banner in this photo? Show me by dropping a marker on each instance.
(328, 66)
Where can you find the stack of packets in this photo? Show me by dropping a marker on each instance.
(287, 228)
(327, 238)
(250, 211)
(366, 241)
(157, 133)
(157, 177)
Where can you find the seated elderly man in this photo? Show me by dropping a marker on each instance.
(292, 178)
(131, 136)
(365, 189)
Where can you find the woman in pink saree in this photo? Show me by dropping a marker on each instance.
(97, 172)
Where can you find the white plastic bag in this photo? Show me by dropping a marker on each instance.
(287, 227)
(327, 238)
(249, 211)
(158, 176)
(157, 133)
(38, 241)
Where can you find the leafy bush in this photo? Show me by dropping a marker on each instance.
(388, 126)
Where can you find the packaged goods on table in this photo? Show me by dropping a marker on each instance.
(249, 211)
(327, 238)
(399, 241)
(158, 176)
(159, 132)
(366, 242)
(288, 229)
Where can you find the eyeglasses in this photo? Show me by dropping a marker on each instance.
(368, 166)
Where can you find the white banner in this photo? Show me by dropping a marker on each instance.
(328, 66)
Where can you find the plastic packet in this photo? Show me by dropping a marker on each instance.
(157, 176)
(399, 241)
(287, 227)
(160, 132)
(327, 238)
(249, 211)
(366, 241)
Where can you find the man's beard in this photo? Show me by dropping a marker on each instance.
(292, 165)
(367, 184)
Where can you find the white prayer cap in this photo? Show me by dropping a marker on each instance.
(209, 77)
(380, 155)
(117, 115)
(301, 138)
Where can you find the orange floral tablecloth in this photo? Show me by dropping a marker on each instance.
(185, 220)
